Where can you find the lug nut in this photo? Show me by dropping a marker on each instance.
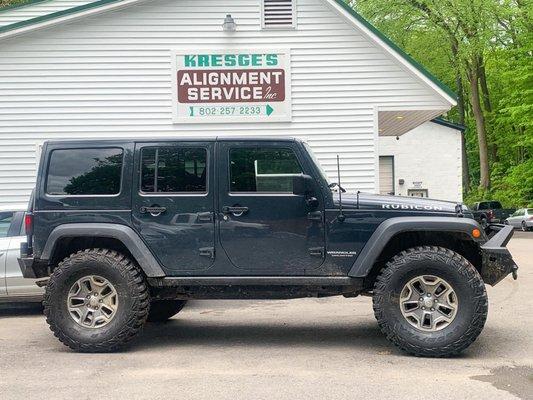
(432, 309)
(423, 308)
(428, 295)
(101, 301)
(421, 299)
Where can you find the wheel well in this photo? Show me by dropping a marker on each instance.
(66, 246)
(459, 242)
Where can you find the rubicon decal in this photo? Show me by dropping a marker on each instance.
(411, 207)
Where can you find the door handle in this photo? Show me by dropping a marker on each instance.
(154, 211)
(237, 211)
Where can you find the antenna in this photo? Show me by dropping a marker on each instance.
(341, 216)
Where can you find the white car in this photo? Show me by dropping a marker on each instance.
(522, 218)
(13, 287)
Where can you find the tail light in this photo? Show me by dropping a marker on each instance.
(531, 218)
(490, 214)
(28, 224)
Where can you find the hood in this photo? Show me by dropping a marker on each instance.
(401, 203)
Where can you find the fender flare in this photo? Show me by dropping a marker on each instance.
(125, 234)
(392, 226)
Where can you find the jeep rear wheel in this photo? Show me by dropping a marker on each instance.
(96, 301)
(430, 301)
(163, 310)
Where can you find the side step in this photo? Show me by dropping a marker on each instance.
(256, 281)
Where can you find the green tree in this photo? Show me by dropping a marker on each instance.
(483, 48)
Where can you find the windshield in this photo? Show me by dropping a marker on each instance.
(317, 163)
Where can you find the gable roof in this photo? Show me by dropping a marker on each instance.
(55, 15)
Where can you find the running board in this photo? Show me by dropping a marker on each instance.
(256, 281)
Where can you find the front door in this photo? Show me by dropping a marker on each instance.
(173, 204)
(264, 228)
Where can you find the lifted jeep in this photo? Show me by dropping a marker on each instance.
(127, 231)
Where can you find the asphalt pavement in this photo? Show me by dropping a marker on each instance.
(294, 349)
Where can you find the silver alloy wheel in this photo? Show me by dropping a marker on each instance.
(428, 303)
(92, 301)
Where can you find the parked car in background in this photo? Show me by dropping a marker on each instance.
(13, 287)
(490, 212)
(522, 218)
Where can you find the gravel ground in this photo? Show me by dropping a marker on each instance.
(296, 349)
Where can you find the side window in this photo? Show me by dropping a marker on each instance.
(95, 171)
(5, 222)
(266, 170)
(173, 170)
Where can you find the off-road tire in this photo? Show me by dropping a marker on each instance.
(524, 227)
(163, 310)
(457, 271)
(132, 312)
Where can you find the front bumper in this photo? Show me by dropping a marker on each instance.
(497, 261)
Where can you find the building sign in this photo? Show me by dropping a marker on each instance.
(231, 86)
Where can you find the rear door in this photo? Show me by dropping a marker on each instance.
(173, 203)
(264, 228)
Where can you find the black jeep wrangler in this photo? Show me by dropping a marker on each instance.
(125, 231)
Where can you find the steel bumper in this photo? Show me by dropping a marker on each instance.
(497, 261)
(32, 268)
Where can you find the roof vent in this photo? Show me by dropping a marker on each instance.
(279, 14)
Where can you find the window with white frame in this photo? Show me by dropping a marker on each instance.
(278, 14)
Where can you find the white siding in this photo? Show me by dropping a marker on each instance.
(40, 9)
(429, 155)
(110, 75)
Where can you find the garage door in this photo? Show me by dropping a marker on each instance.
(386, 175)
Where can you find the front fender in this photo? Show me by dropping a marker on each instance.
(391, 227)
(125, 234)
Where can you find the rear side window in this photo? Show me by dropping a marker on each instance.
(173, 170)
(95, 171)
(5, 222)
(267, 170)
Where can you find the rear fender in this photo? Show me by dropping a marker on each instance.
(124, 234)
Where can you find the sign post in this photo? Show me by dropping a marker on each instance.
(214, 86)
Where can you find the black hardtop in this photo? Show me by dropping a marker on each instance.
(118, 141)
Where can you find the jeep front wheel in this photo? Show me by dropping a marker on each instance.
(163, 310)
(96, 301)
(430, 301)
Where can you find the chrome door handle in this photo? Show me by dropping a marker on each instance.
(236, 211)
(154, 211)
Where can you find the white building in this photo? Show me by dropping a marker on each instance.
(109, 68)
(424, 162)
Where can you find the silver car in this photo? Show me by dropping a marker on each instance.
(522, 218)
(13, 287)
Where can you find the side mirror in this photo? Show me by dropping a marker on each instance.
(302, 185)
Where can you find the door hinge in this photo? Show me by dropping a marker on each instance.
(205, 217)
(207, 252)
(314, 216)
(317, 251)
